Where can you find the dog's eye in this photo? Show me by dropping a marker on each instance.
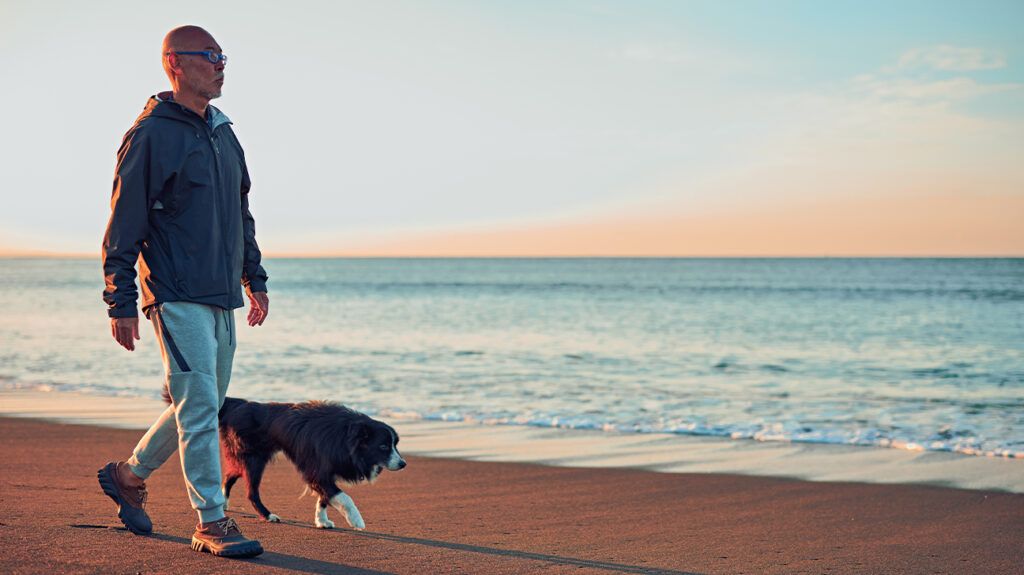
(384, 447)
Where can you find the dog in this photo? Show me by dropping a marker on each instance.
(325, 441)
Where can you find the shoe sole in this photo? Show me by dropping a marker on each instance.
(251, 549)
(108, 487)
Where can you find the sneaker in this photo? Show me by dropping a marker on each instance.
(131, 501)
(224, 539)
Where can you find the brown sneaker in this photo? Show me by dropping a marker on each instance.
(224, 539)
(131, 501)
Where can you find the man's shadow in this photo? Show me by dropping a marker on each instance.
(307, 565)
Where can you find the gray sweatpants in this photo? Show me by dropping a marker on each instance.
(198, 345)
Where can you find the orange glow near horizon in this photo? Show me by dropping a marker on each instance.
(922, 225)
(954, 225)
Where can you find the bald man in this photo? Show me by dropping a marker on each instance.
(180, 207)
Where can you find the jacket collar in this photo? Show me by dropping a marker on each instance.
(164, 106)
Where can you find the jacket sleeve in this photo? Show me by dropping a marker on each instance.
(128, 225)
(254, 277)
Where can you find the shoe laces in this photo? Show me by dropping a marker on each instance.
(139, 491)
(228, 525)
(139, 494)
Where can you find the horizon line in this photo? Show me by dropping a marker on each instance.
(305, 256)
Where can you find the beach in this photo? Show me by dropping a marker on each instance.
(561, 416)
(448, 515)
(673, 288)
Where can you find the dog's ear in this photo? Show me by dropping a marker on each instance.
(358, 435)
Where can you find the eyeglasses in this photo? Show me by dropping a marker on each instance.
(213, 57)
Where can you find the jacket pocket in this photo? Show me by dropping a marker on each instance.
(198, 258)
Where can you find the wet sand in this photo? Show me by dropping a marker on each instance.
(663, 452)
(454, 516)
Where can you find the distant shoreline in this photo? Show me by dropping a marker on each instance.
(272, 256)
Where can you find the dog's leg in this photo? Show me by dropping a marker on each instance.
(229, 482)
(342, 502)
(254, 467)
(320, 518)
(331, 495)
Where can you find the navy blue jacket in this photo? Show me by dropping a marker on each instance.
(181, 202)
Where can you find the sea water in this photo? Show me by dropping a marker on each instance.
(895, 353)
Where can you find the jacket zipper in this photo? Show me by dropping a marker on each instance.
(221, 207)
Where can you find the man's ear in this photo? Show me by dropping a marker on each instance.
(173, 64)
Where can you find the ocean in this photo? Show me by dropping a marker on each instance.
(920, 354)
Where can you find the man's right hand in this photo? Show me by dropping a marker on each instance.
(125, 330)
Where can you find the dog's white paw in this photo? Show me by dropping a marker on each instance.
(227, 504)
(273, 518)
(356, 522)
(320, 518)
(342, 502)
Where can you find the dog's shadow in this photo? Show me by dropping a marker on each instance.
(555, 559)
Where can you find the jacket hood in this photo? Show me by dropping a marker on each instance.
(162, 105)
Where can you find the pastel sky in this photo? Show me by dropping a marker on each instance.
(547, 127)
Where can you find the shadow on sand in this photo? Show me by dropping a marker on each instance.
(268, 558)
(306, 565)
(555, 559)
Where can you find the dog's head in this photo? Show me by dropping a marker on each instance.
(374, 445)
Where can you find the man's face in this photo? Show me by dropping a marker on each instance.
(197, 73)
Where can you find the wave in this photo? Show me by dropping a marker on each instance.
(944, 439)
(955, 442)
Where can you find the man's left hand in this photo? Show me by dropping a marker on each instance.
(259, 308)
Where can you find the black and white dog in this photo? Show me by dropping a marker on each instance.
(327, 442)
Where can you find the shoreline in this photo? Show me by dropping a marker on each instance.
(664, 453)
(454, 516)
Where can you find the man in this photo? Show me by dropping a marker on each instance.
(180, 207)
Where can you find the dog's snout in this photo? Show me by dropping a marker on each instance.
(401, 464)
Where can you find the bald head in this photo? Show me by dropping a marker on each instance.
(187, 38)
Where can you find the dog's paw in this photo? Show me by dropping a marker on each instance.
(227, 504)
(324, 524)
(355, 519)
(357, 523)
(273, 518)
(342, 502)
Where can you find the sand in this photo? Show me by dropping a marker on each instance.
(455, 516)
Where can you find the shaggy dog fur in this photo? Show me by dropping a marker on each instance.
(327, 442)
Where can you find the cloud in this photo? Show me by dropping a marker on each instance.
(901, 88)
(920, 76)
(952, 58)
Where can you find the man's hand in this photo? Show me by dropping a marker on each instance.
(125, 330)
(259, 308)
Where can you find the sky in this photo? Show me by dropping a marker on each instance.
(547, 128)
